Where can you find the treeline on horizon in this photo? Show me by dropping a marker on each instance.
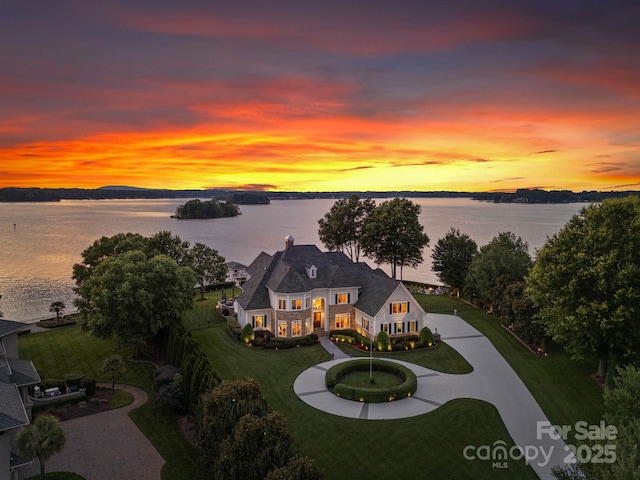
(13, 194)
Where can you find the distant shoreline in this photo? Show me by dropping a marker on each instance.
(15, 195)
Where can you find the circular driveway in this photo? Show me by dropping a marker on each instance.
(433, 391)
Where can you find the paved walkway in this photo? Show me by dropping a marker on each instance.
(492, 380)
(106, 446)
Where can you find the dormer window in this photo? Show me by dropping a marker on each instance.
(312, 271)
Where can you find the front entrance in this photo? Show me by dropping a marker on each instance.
(318, 313)
(317, 320)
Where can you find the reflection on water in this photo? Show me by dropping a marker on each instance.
(36, 257)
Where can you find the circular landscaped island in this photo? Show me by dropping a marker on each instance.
(351, 380)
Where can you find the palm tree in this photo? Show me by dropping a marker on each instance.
(57, 307)
(113, 364)
(41, 439)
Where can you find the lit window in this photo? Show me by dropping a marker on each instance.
(342, 320)
(365, 324)
(413, 326)
(296, 304)
(282, 329)
(296, 329)
(258, 321)
(398, 327)
(282, 304)
(399, 307)
(385, 327)
(342, 298)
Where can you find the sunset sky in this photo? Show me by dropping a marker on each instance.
(328, 95)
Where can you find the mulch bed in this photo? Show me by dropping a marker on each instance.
(95, 404)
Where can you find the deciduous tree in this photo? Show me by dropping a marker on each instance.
(393, 234)
(131, 297)
(208, 265)
(341, 228)
(452, 257)
(501, 262)
(586, 282)
(113, 365)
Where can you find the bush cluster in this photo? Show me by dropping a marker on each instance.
(235, 419)
(265, 339)
(185, 352)
(383, 342)
(371, 394)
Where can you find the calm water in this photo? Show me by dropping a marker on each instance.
(37, 255)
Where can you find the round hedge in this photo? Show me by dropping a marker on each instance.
(371, 394)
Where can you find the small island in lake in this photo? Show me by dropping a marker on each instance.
(196, 209)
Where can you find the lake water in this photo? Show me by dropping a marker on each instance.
(40, 242)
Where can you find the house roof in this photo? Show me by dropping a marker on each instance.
(12, 411)
(236, 266)
(8, 327)
(23, 372)
(285, 272)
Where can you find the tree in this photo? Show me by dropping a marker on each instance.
(164, 243)
(392, 234)
(586, 282)
(208, 265)
(104, 248)
(221, 409)
(41, 439)
(113, 365)
(298, 468)
(452, 258)
(57, 307)
(341, 228)
(131, 297)
(257, 445)
(501, 262)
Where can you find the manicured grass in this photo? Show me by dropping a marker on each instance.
(430, 445)
(561, 386)
(65, 350)
(442, 358)
(69, 350)
(363, 379)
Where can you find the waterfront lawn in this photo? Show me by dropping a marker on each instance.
(561, 385)
(430, 445)
(65, 350)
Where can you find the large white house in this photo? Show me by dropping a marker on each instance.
(301, 290)
(16, 376)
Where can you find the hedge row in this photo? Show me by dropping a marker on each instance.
(371, 394)
(384, 342)
(265, 339)
(183, 351)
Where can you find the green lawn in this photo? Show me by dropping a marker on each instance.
(561, 386)
(428, 446)
(65, 350)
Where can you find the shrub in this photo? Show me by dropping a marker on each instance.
(426, 336)
(247, 333)
(73, 380)
(259, 342)
(298, 468)
(234, 328)
(383, 342)
(89, 384)
(171, 395)
(371, 394)
(313, 337)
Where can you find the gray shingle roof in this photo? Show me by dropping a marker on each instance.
(285, 272)
(23, 372)
(12, 412)
(9, 326)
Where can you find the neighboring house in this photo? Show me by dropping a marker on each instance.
(16, 376)
(301, 290)
(237, 273)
